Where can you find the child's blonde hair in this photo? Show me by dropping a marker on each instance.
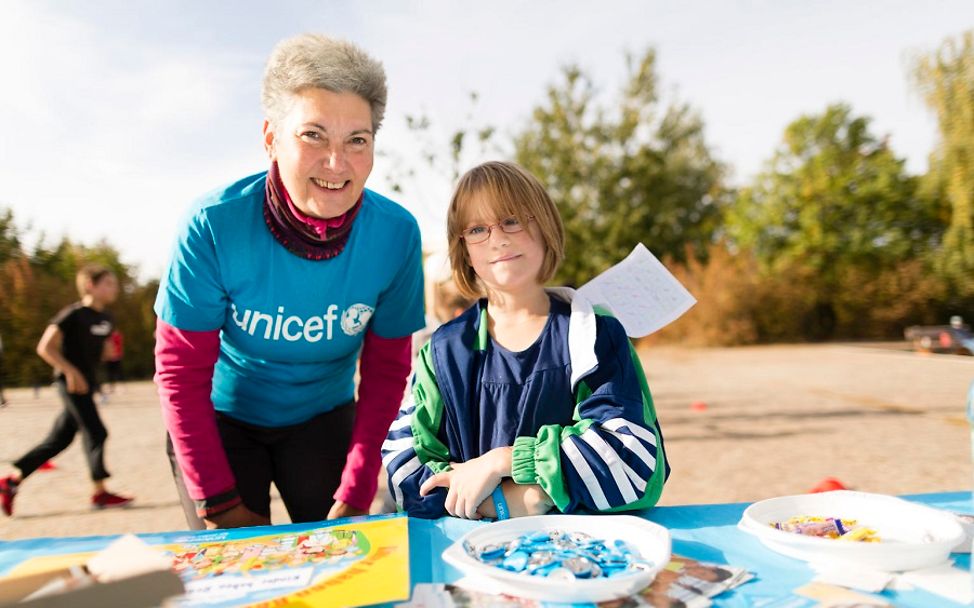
(90, 275)
(510, 191)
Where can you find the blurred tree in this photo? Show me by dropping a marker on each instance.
(60, 260)
(829, 241)
(833, 197)
(34, 285)
(945, 79)
(19, 316)
(625, 172)
(425, 179)
(9, 236)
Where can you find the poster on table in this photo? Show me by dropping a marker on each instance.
(335, 563)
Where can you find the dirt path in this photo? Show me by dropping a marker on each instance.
(777, 420)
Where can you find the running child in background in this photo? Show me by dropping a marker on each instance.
(73, 344)
(531, 399)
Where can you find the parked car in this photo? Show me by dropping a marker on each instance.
(954, 338)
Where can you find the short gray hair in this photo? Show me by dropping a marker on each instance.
(312, 60)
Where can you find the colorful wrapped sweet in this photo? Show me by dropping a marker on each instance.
(828, 527)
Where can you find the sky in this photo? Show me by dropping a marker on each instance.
(118, 113)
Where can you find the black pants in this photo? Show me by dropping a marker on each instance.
(113, 371)
(304, 461)
(81, 414)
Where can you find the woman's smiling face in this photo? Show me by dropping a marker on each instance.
(324, 150)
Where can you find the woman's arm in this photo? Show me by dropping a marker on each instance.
(184, 379)
(384, 369)
(192, 305)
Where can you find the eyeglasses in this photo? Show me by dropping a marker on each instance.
(478, 234)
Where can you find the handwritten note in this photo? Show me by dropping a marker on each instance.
(640, 292)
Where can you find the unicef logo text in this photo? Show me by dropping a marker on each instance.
(292, 328)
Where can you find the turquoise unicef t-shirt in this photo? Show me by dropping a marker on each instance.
(291, 328)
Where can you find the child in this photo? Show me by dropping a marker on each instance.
(73, 344)
(530, 399)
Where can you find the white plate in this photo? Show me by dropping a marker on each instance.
(652, 541)
(912, 536)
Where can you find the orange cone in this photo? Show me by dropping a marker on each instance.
(698, 406)
(828, 484)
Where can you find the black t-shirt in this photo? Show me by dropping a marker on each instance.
(84, 333)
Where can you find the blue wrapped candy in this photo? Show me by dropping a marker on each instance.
(561, 555)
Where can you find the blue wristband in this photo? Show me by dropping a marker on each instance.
(500, 504)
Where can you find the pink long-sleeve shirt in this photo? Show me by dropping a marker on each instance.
(184, 377)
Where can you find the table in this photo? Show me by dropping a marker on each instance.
(702, 532)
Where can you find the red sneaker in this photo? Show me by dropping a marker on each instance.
(8, 489)
(107, 500)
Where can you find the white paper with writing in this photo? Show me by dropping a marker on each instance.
(640, 292)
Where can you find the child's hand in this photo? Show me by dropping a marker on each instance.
(75, 381)
(464, 492)
(469, 483)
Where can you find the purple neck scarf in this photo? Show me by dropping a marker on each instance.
(308, 237)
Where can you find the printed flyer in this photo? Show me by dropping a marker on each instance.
(348, 562)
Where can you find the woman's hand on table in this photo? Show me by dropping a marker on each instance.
(343, 509)
(237, 517)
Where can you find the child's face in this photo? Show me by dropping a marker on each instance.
(505, 262)
(105, 290)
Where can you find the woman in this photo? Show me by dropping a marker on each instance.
(276, 285)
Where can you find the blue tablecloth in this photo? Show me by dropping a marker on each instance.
(702, 532)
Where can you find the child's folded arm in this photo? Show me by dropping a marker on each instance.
(412, 453)
(522, 500)
(608, 460)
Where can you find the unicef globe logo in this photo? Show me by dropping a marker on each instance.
(355, 318)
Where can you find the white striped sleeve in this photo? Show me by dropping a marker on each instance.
(615, 424)
(402, 473)
(632, 444)
(397, 445)
(612, 462)
(585, 472)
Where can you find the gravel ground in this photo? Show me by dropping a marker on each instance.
(740, 424)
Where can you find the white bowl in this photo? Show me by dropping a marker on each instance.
(652, 541)
(912, 536)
